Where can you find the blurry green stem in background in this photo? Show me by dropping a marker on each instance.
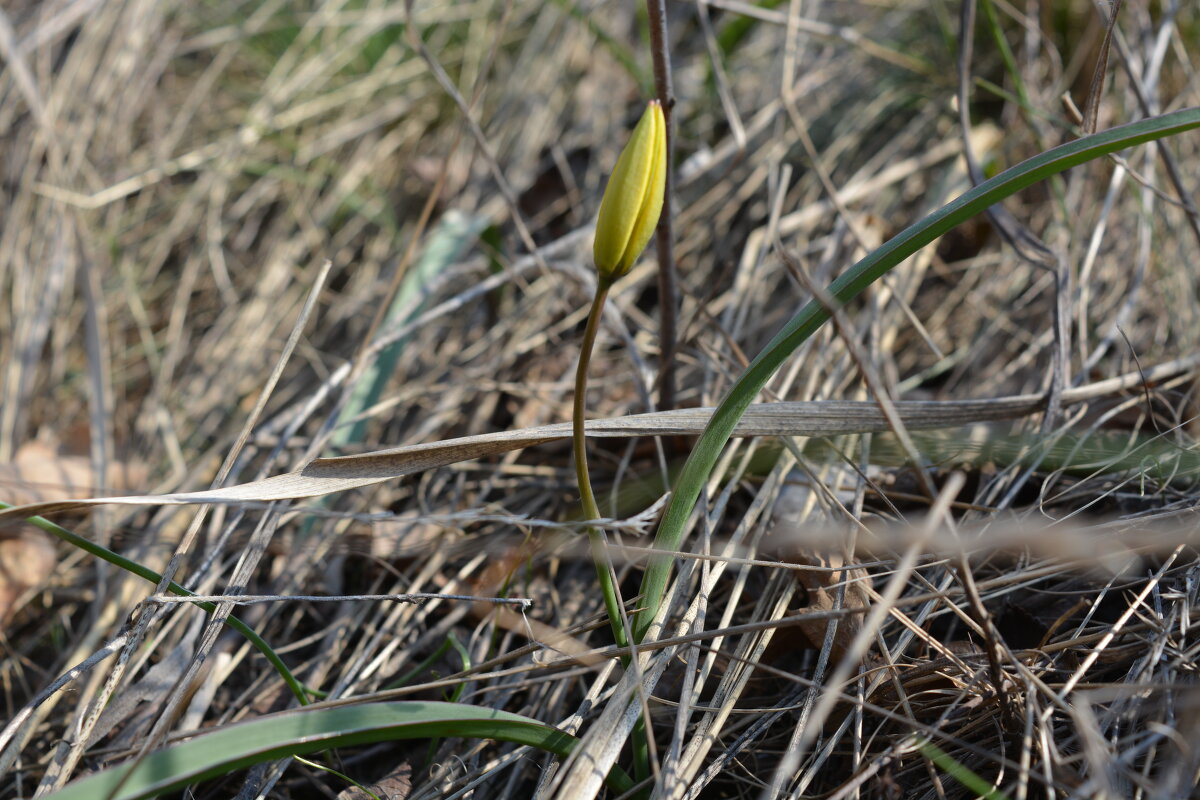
(455, 233)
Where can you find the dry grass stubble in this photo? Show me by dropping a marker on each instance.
(173, 176)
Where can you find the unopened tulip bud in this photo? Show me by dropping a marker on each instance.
(633, 199)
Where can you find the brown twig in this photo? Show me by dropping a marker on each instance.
(668, 289)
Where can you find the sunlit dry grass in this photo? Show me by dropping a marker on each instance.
(174, 176)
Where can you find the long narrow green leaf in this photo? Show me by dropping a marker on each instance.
(310, 730)
(848, 286)
(146, 573)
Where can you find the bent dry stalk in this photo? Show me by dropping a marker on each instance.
(629, 212)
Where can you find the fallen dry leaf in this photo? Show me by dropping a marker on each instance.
(39, 473)
(822, 587)
(26, 560)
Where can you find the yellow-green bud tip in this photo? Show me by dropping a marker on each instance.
(633, 199)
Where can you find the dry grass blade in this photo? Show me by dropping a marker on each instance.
(1091, 108)
(813, 419)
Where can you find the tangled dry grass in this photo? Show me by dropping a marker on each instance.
(175, 177)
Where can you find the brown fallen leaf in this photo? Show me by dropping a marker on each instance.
(822, 587)
(26, 560)
(39, 473)
(395, 785)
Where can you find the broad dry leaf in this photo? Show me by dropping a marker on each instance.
(397, 784)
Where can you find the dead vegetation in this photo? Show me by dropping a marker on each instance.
(174, 176)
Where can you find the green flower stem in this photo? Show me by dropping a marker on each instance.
(116, 560)
(604, 569)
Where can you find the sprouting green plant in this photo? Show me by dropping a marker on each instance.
(960, 772)
(629, 212)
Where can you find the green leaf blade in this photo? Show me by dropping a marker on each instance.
(846, 287)
(312, 730)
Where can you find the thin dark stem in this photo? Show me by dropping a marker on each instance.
(668, 291)
(604, 570)
(995, 653)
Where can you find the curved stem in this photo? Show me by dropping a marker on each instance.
(604, 570)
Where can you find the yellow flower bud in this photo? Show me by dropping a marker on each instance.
(633, 198)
